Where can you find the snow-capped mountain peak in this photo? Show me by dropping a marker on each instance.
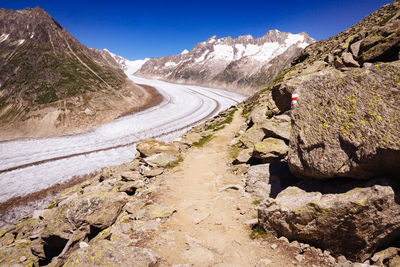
(129, 66)
(228, 63)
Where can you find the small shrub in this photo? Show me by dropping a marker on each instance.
(221, 125)
(203, 140)
(258, 232)
(256, 202)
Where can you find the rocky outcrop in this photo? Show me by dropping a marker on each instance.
(350, 222)
(345, 123)
(244, 64)
(98, 222)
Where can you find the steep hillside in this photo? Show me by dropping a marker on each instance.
(51, 84)
(244, 64)
(333, 118)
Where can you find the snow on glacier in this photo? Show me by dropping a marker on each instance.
(183, 105)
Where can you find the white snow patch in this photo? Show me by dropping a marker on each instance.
(293, 39)
(170, 64)
(32, 35)
(202, 57)
(4, 37)
(185, 51)
(224, 52)
(20, 42)
(129, 66)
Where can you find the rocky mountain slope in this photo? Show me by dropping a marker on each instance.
(341, 133)
(51, 84)
(244, 64)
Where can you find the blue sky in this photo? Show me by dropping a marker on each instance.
(139, 29)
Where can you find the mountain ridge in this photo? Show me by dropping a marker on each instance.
(243, 64)
(51, 84)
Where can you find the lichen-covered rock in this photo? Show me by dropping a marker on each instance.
(18, 253)
(243, 156)
(160, 160)
(270, 149)
(352, 223)
(108, 253)
(149, 147)
(347, 124)
(252, 136)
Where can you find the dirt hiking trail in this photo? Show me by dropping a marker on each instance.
(208, 228)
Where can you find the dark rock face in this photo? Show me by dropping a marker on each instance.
(346, 220)
(244, 64)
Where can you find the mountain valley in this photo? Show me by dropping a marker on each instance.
(303, 172)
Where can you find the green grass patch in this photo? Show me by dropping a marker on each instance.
(174, 163)
(258, 232)
(386, 19)
(256, 202)
(203, 140)
(221, 125)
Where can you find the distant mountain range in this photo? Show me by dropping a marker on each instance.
(51, 84)
(244, 64)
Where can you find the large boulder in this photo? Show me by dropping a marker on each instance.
(350, 221)
(149, 147)
(347, 124)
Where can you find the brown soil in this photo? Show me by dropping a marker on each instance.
(209, 227)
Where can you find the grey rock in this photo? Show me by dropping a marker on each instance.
(355, 48)
(353, 133)
(130, 176)
(243, 156)
(131, 187)
(150, 147)
(277, 126)
(160, 160)
(257, 181)
(270, 149)
(252, 136)
(113, 253)
(349, 61)
(344, 223)
(150, 172)
(267, 180)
